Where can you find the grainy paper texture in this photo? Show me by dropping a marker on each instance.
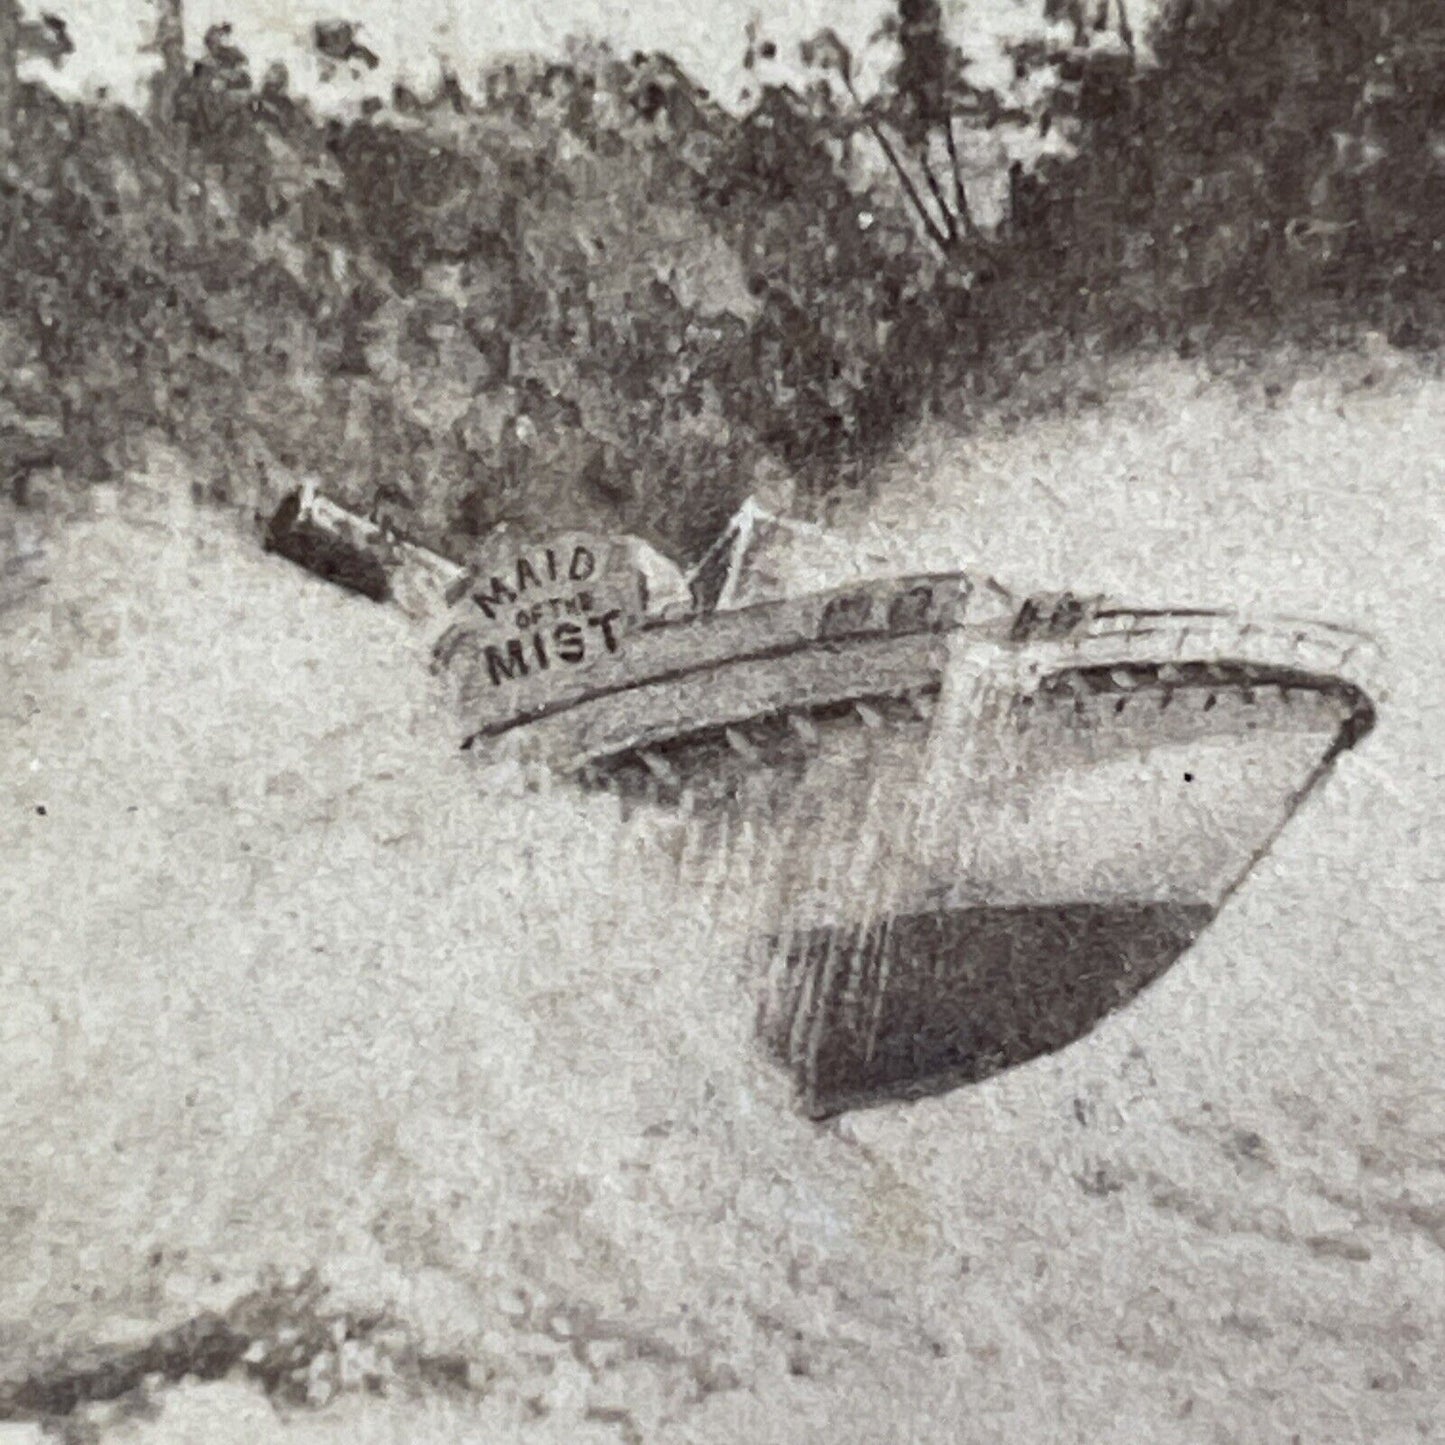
(721, 727)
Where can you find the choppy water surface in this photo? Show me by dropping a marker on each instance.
(291, 986)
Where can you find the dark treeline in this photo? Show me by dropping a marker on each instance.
(580, 290)
(1279, 170)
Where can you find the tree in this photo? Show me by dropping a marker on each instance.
(927, 76)
(1304, 144)
(928, 103)
(170, 46)
(9, 66)
(1086, 16)
(46, 38)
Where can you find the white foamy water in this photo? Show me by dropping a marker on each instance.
(289, 982)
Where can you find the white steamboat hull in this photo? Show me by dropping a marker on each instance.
(960, 845)
(961, 829)
(938, 906)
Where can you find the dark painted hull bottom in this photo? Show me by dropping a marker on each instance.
(925, 1002)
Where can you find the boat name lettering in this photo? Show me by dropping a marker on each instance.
(553, 607)
(563, 642)
(530, 574)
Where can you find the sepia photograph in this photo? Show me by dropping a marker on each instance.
(722, 725)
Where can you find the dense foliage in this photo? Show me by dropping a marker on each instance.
(1280, 168)
(583, 290)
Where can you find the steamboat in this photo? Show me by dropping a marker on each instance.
(979, 821)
